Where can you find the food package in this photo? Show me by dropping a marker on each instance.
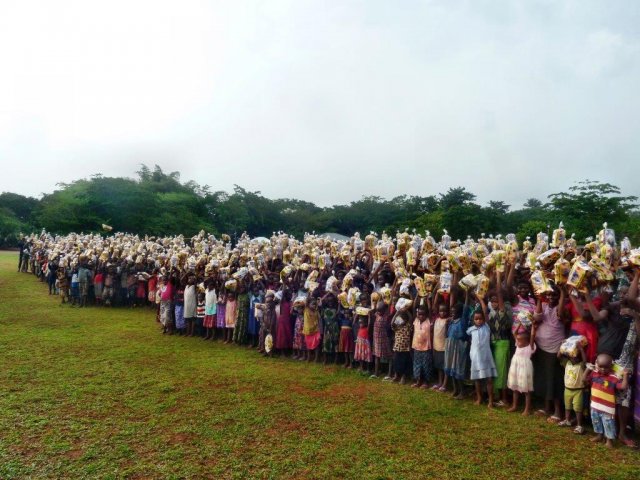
(559, 236)
(311, 286)
(344, 302)
(601, 269)
(268, 343)
(404, 286)
(569, 347)
(421, 288)
(429, 243)
(499, 255)
(332, 284)
(561, 271)
(530, 262)
(412, 257)
(347, 282)
(370, 241)
(488, 262)
(362, 311)
(353, 295)
(445, 240)
(231, 285)
(548, 258)
(285, 272)
(403, 304)
(468, 282)
(452, 258)
(606, 235)
(445, 283)
(539, 283)
(524, 318)
(430, 282)
(625, 247)
(578, 274)
(385, 292)
(482, 285)
(571, 242)
(375, 298)
(634, 257)
(240, 273)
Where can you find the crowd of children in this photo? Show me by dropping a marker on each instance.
(550, 321)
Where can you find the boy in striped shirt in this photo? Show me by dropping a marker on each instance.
(603, 402)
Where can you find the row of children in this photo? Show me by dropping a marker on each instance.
(372, 304)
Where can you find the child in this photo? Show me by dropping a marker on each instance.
(98, 283)
(382, 352)
(63, 285)
(421, 344)
(482, 364)
(363, 345)
(439, 340)
(603, 402)
(521, 370)
(190, 304)
(574, 372)
(221, 313)
(310, 328)
(230, 317)
(401, 325)
(331, 327)
(201, 309)
(456, 347)
(210, 307)
(75, 288)
(345, 343)
(299, 348)
(179, 308)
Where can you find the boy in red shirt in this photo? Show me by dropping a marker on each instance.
(603, 402)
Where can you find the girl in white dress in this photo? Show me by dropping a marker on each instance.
(520, 378)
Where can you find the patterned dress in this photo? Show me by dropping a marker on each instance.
(298, 337)
(521, 370)
(381, 340)
(331, 331)
(240, 330)
(363, 346)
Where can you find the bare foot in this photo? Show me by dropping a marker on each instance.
(490, 405)
(597, 439)
(609, 443)
(512, 409)
(477, 402)
(526, 412)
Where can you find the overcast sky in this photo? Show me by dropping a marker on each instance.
(325, 101)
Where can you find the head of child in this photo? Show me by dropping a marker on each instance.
(191, 280)
(313, 303)
(604, 363)
(330, 302)
(523, 339)
(270, 299)
(231, 295)
(421, 313)
(493, 300)
(523, 289)
(381, 307)
(201, 296)
(478, 317)
(443, 311)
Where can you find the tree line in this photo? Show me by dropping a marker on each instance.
(159, 203)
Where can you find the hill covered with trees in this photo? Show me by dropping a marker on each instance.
(159, 203)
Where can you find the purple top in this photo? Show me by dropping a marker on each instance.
(550, 333)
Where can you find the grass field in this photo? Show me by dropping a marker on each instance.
(100, 393)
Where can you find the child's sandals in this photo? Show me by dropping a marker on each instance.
(564, 423)
(579, 430)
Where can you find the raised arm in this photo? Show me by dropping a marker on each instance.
(597, 315)
(632, 294)
(499, 291)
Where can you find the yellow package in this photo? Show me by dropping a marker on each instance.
(362, 311)
(332, 284)
(578, 274)
(420, 286)
(342, 297)
(488, 262)
(559, 236)
(548, 258)
(412, 257)
(530, 262)
(231, 285)
(561, 271)
(347, 282)
(452, 258)
(539, 283)
(500, 260)
(601, 269)
(482, 285)
(430, 282)
(385, 292)
(634, 257)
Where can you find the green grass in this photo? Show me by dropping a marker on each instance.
(100, 393)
